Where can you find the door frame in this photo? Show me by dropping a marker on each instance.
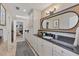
(14, 30)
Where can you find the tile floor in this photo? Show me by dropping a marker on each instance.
(23, 49)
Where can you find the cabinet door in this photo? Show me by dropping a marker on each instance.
(47, 48)
(59, 51)
(68, 53)
(56, 51)
(40, 45)
(35, 46)
(44, 47)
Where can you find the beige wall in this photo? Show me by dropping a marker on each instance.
(6, 33)
(9, 46)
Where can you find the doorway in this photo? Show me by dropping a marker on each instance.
(18, 30)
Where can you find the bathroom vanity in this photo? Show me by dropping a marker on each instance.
(57, 34)
(47, 47)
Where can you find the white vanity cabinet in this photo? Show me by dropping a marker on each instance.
(35, 46)
(40, 47)
(50, 49)
(68, 53)
(43, 47)
(56, 51)
(47, 48)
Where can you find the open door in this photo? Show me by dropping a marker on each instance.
(18, 31)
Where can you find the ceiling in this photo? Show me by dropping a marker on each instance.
(25, 6)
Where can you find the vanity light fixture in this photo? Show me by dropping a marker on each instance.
(50, 11)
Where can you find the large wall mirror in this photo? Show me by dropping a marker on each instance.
(66, 20)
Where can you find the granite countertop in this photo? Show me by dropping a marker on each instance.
(61, 45)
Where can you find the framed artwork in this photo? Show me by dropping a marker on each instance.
(2, 15)
(56, 24)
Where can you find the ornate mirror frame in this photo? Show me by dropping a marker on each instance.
(74, 9)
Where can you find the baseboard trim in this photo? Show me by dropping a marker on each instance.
(36, 54)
